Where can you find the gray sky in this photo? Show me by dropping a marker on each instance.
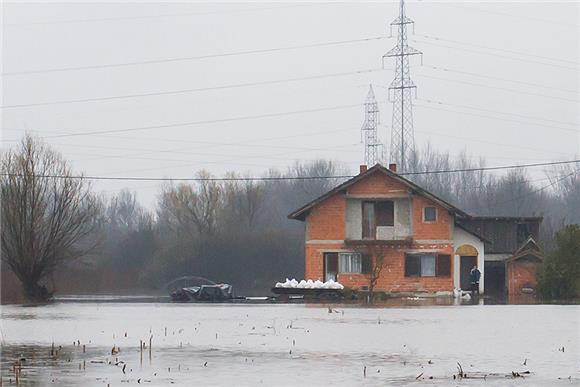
(499, 79)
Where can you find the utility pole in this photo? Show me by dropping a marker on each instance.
(373, 147)
(400, 93)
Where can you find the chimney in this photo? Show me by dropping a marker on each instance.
(393, 167)
(363, 169)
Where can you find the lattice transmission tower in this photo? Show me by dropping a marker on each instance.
(400, 93)
(374, 149)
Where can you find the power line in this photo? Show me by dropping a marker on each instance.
(498, 112)
(144, 17)
(203, 122)
(498, 118)
(558, 22)
(498, 49)
(551, 184)
(494, 54)
(500, 88)
(207, 144)
(193, 90)
(199, 179)
(188, 149)
(519, 166)
(439, 134)
(446, 69)
(198, 57)
(201, 144)
(295, 150)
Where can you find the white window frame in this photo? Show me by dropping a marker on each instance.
(349, 263)
(424, 258)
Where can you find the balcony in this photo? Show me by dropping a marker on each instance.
(378, 219)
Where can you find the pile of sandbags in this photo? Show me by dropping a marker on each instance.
(309, 284)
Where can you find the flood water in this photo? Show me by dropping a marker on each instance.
(289, 345)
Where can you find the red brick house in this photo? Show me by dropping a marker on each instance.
(380, 220)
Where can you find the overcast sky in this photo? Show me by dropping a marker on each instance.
(498, 79)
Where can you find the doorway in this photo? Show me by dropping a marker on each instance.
(466, 264)
(330, 266)
(495, 278)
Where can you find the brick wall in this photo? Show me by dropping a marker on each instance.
(521, 274)
(392, 277)
(377, 183)
(439, 230)
(314, 256)
(327, 220)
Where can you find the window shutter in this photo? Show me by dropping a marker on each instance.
(412, 266)
(367, 264)
(443, 265)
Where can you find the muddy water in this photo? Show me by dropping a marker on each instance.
(289, 345)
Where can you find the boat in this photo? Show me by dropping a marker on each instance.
(209, 293)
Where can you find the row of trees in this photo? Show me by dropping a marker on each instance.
(233, 230)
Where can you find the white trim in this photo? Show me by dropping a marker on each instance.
(323, 241)
(425, 251)
(395, 195)
(432, 242)
(462, 237)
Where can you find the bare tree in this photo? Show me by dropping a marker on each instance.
(243, 200)
(565, 180)
(125, 213)
(48, 215)
(374, 262)
(192, 209)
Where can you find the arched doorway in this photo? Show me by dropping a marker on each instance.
(467, 260)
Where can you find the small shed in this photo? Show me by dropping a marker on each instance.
(522, 269)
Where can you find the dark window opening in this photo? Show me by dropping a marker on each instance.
(427, 265)
(367, 264)
(376, 214)
(412, 265)
(429, 214)
(385, 213)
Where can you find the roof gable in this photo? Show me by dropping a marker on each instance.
(302, 212)
(528, 250)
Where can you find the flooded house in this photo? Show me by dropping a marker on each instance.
(380, 229)
(512, 255)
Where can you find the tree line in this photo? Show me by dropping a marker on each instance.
(233, 231)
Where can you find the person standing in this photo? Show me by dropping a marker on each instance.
(474, 276)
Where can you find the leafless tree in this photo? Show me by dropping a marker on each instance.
(192, 208)
(243, 200)
(48, 215)
(125, 213)
(374, 257)
(565, 180)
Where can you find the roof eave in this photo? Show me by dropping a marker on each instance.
(301, 213)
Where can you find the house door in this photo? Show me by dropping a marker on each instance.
(467, 263)
(495, 278)
(330, 266)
